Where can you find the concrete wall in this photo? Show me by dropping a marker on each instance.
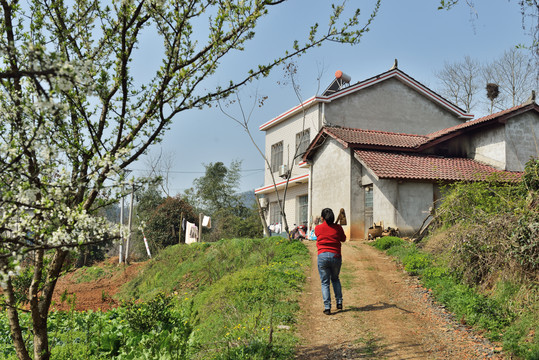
(385, 202)
(286, 131)
(355, 217)
(415, 199)
(522, 140)
(402, 204)
(331, 182)
(389, 106)
(488, 146)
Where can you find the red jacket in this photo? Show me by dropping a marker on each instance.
(329, 238)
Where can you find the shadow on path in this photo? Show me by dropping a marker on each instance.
(372, 347)
(376, 307)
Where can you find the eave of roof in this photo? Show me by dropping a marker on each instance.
(280, 185)
(394, 73)
(499, 117)
(385, 165)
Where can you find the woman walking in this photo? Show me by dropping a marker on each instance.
(329, 237)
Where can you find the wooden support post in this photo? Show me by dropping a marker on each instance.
(200, 217)
(181, 229)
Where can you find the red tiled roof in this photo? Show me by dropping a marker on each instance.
(484, 119)
(398, 166)
(373, 137)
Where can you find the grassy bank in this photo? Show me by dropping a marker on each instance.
(235, 299)
(508, 312)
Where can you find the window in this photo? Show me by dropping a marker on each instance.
(302, 143)
(275, 213)
(276, 156)
(368, 196)
(303, 207)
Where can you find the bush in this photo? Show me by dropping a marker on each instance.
(415, 262)
(525, 247)
(387, 242)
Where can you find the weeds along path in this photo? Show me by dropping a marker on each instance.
(386, 315)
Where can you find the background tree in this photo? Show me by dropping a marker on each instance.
(460, 82)
(515, 76)
(163, 225)
(218, 188)
(464, 83)
(67, 71)
(216, 194)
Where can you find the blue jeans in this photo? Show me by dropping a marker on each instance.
(329, 267)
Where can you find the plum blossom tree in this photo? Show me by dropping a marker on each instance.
(75, 115)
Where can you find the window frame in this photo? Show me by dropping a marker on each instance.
(304, 207)
(274, 213)
(303, 139)
(277, 151)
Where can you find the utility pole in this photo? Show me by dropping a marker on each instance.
(129, 224)
(120, 254)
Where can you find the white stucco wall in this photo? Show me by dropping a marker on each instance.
(286, 131)
(331, 182)
(389, 106)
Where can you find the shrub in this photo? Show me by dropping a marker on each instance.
(387, 242)
(525, 247)
(415, 262)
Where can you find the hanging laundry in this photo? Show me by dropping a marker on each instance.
(191, 233)
(206, 222)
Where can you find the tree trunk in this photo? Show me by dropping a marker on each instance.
(41, 349)
(40, 301)
(14, 324)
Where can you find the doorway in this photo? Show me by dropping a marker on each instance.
(368, 196)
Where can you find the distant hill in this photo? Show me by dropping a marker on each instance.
(247, 198)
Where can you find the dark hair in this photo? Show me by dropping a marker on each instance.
(328, 216)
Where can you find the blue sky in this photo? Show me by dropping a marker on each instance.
(421, 37)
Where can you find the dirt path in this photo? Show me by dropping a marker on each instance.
(386, 315)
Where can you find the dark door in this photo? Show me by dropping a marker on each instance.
(368, 208)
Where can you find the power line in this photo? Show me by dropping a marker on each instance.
(195, 172)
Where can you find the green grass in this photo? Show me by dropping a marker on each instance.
(88, 274)
(346, 277)
(235, 299)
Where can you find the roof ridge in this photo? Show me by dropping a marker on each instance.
(374, 131)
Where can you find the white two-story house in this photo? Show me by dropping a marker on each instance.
(379, 149)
